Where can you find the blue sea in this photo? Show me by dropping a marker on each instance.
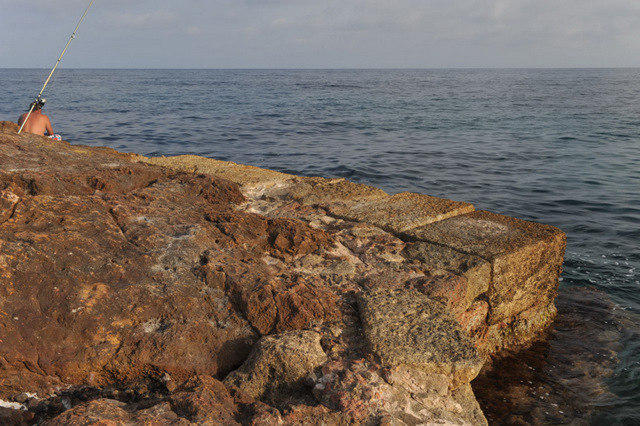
(557, 146)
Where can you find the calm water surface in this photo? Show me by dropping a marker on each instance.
(555, 146)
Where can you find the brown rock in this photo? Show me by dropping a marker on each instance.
(362, 390)
(316, 190)
(400, 212)
(526, 257)
(11, 417)
(279, 365)
(407, 328)
(123, 279)
(113, 270)
(9, 127)
(206, 401)
(200, 401)
(252, 178)
(262, 183)
(476, 270)
(8, 202)
(109, 412)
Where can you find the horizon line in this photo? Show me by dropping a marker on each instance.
(324, 68)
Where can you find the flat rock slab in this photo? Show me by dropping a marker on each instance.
(436, 257)
(400, 212)
(259, 183)
(407, 328)
(526, 257)
(243, 175)
(317, 190)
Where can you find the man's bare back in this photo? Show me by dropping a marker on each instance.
(37, 123)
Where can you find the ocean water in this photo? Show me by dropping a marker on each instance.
(557, 146)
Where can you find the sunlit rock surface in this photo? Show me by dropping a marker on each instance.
(187, 290)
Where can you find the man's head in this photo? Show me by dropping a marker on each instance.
(37, 104)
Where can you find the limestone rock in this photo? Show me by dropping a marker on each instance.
(257, 182)
(526, 257)
(113, 412)
(278, 364)
(114, 270)
(316, 190)
(400, 212)
(476, 270)
(200, 401)
(408, 328)
(127, 288)
(402, 395)
(8, 202)
(9, 127)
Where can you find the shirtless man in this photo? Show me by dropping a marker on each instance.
(37, 123)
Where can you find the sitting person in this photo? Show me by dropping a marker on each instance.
(37, 122)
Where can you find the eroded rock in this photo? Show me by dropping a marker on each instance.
(407, 328)
(128, 289)
(278, 365)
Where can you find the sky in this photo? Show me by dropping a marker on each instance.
(321, 33)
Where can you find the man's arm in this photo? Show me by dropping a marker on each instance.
(48, 127)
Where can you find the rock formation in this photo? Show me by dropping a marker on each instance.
(186, 290)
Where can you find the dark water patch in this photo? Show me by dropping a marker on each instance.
(565, 378)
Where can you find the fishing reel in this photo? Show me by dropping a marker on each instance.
(38, 103)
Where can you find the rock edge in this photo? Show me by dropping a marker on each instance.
(137, 284)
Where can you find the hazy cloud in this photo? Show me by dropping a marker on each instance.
(324, 33)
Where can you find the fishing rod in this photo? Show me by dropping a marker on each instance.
(73, 35)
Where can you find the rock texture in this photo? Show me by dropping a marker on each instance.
(277, 363)
(187, 290)
(405, 327)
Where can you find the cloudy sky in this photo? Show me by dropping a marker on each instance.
(321, 33)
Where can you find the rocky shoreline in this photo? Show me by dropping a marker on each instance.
(187, 290)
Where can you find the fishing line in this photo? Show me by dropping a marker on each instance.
(73, 35)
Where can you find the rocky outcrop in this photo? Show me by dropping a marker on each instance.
(186, 290)
(277, 363)
(405, 327)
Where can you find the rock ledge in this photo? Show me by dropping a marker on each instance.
(186, 290)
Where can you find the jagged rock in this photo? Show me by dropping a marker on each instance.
(316, 190)
(9, 127)
(115, 270)
(254, 178)
(526, 263)
(14, 417)
(402, 395)
(262, 183)
(123, 282)
(200, 401)
(8, 202)
(278, 365)
(111, 412)
(206, 401)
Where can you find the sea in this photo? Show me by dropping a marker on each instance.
(556, 146)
